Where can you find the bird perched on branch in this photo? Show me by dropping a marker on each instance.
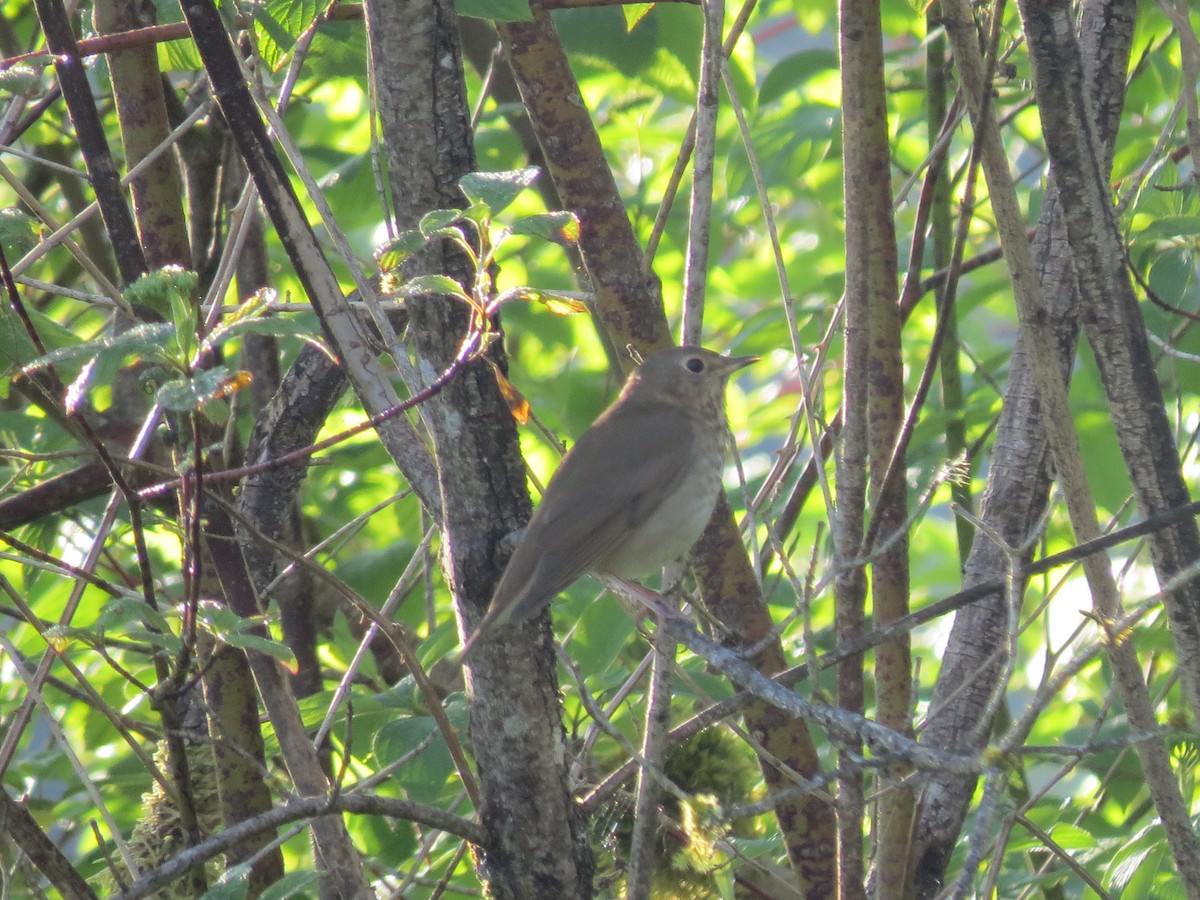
(635, 491)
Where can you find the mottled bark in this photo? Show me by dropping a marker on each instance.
(1019, 476)
(142, 113)
(537, 840)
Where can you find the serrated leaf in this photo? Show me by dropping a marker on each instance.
(160, 289)
(400, 248)
(496, 10)
(271, 648)
(278, 23)
(437, 219)
(497, 189)
(141, 339)
(559, 227)
(262, 323)
(255, 306)
(517, 404)
(190, 394)
(433, 284)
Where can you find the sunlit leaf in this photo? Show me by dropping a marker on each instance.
(274, 649)
(76, 397)
(635, 13)
(517, 404)
(559, 227)
(793, 71)
(159, 290)
(479, 213)
(238, 381)
(437, 219)
(148, 339)
(561, 303)
(269, 325)
(433, 284)
(278, 23)
(190, 394)
(497, 189)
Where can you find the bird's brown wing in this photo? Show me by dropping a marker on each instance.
(591, 503)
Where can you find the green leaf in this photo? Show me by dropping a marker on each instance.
(120, 613)
(496, 10)
(497, 189)
(425, 773)
(339, 50)
(190, 394)
(1171, 227)
(180, 55)
(278, 23)
(270, 647)
(559, 227)
(790, 142)
(184, 317)
(232, 885)
(293, 884)
(400, 248)
(437, 219)
(635, 13)
(793, 71)
(15, 344)
(159, 290)
(19, 232)
(219, 619)
(561, 303)
(1072, 837)
(479, 213)
(149, 339)
(272, 326)
(433, 284)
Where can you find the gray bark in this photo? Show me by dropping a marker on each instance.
(537, 844)
(1019, 477)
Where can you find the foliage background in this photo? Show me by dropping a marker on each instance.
(1067, 824)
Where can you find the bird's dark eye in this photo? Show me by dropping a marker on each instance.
(695, 364)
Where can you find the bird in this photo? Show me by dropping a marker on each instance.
(634, 492)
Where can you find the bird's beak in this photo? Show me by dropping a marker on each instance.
(740, 362)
